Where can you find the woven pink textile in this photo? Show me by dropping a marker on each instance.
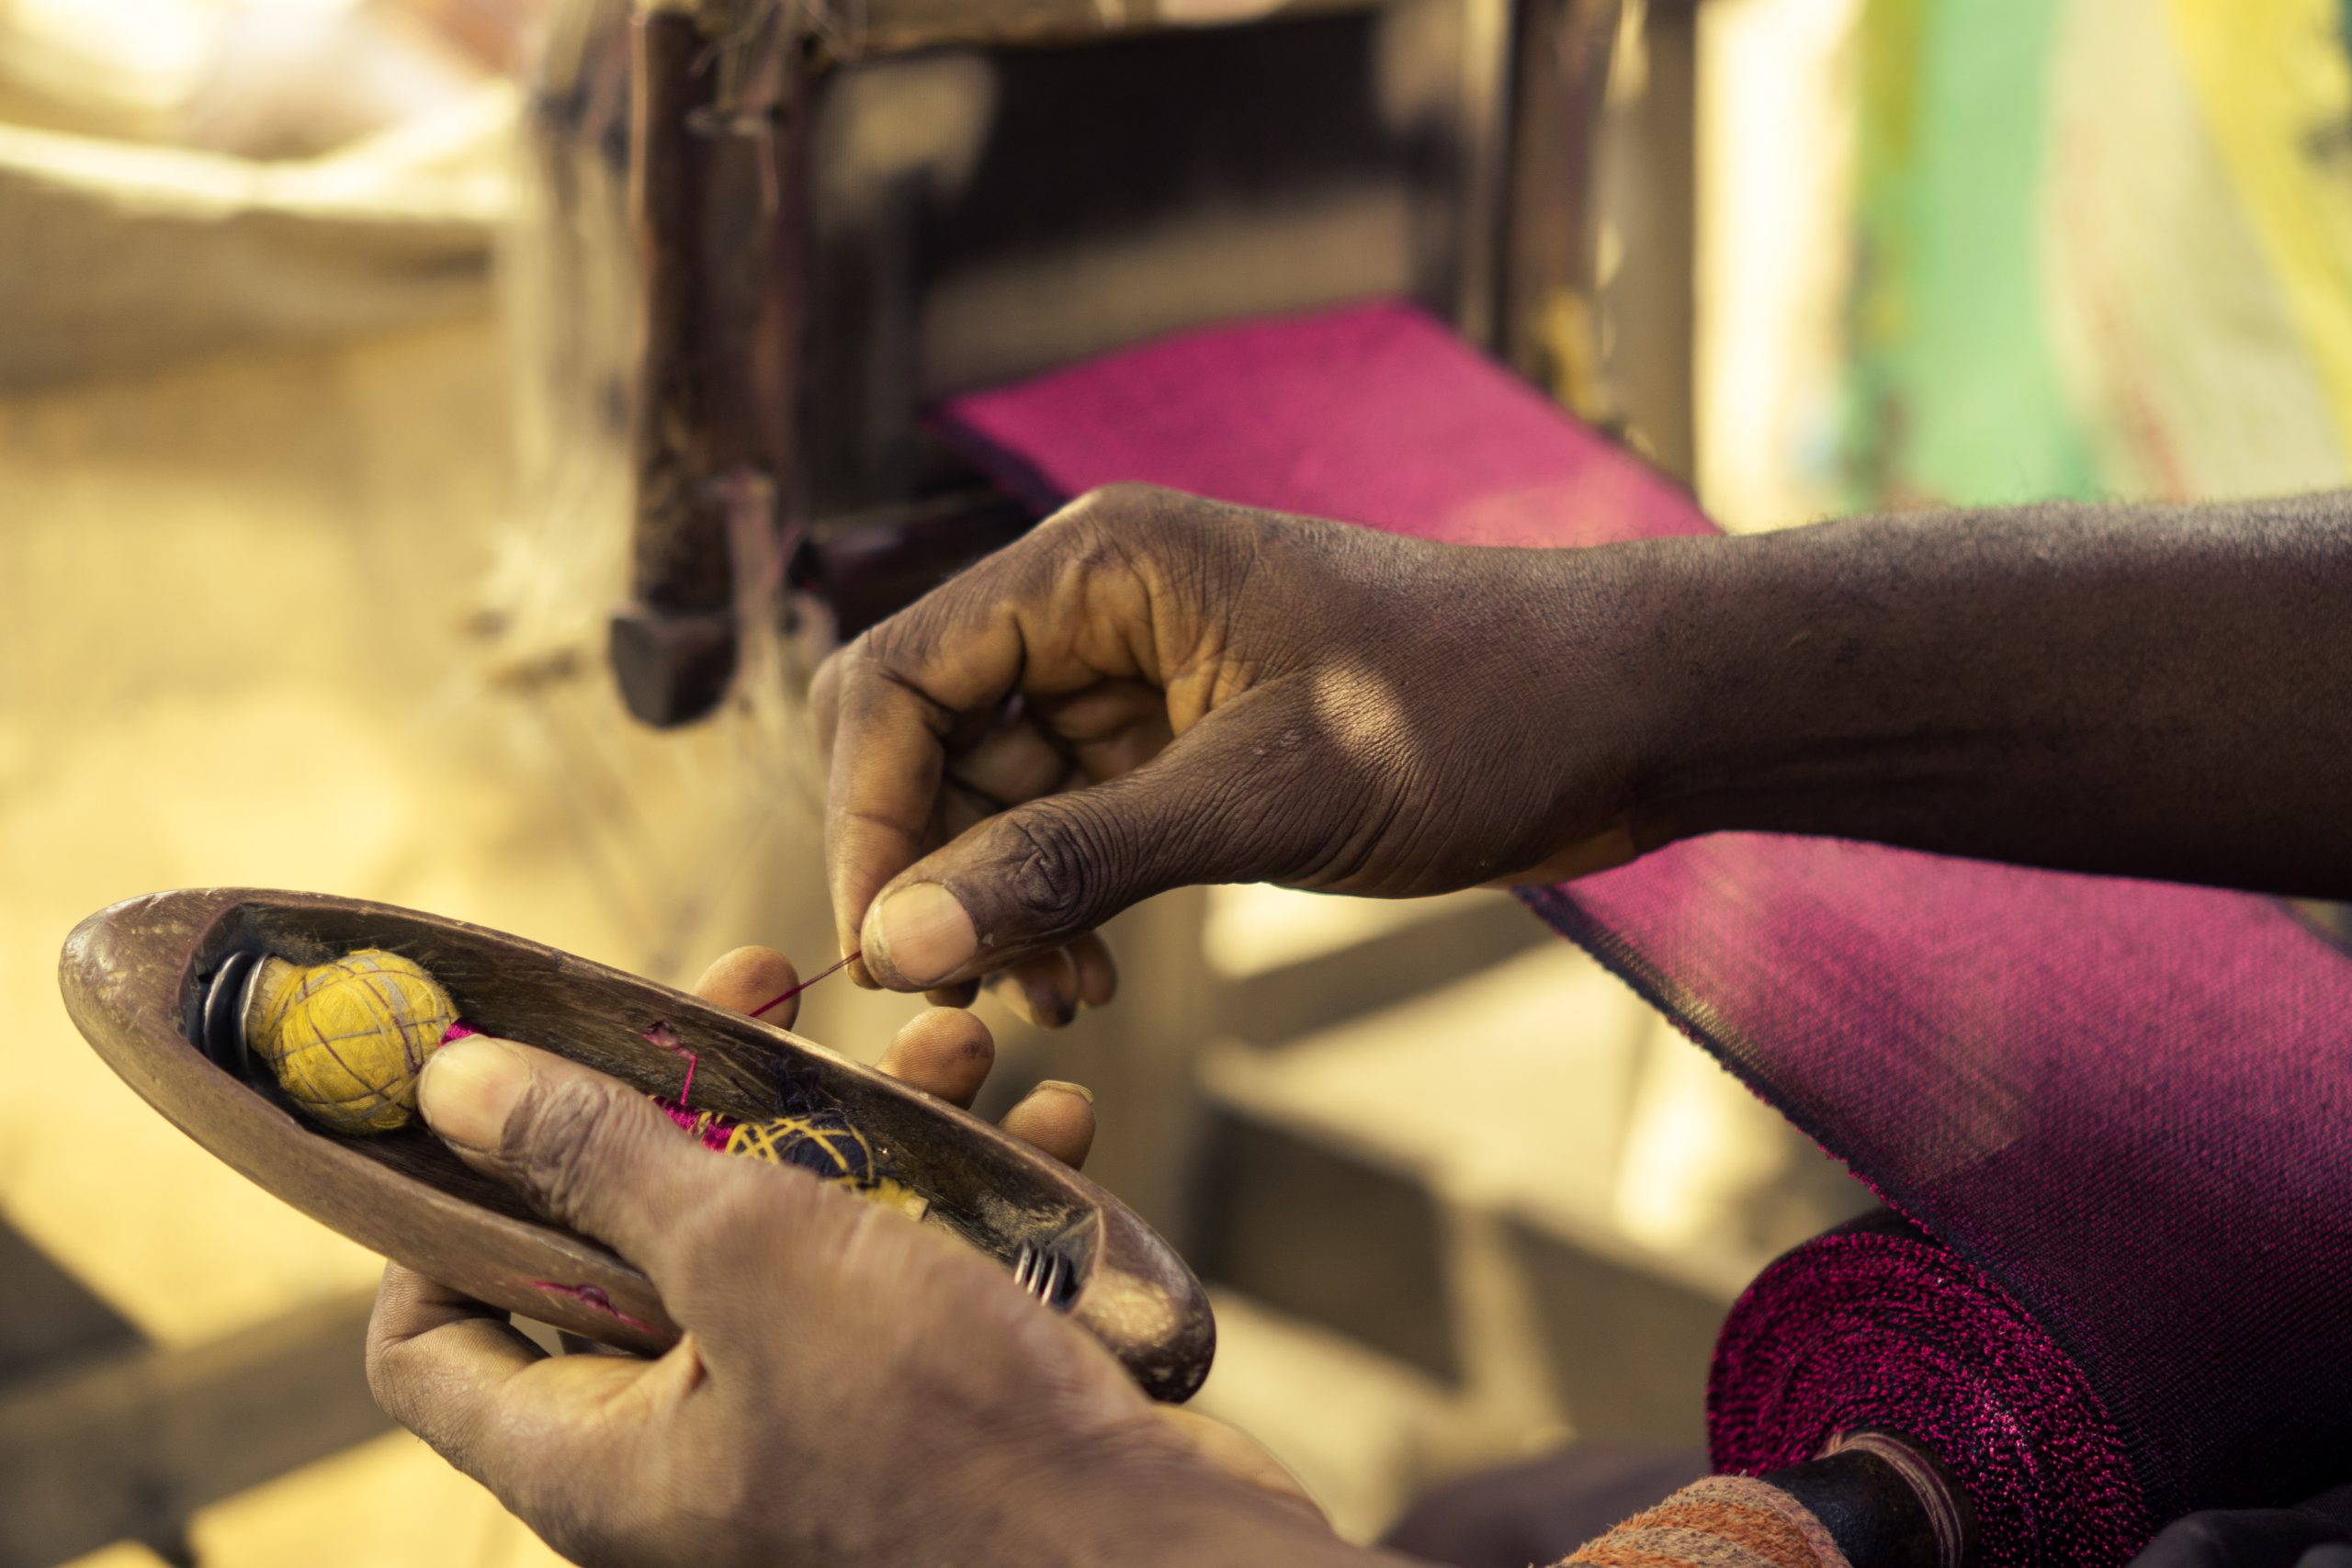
(2121, 1113)
(1373, 414)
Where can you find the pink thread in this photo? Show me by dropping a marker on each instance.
(827, 973)
(459, 1030)
(709, 1128)
(593, 1296)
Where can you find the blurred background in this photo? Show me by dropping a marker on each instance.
(322, 338)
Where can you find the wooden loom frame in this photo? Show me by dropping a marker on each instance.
(152, 1433)
(720, 198)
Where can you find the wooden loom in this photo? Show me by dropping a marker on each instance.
(844, 209)
(802, 301)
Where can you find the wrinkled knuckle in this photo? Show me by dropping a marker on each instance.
(1059, 856)
(1122, 528)
(843, 686)
(1122, 501)
(865, 659)
(1083, 534)
(892, 655)
(560, 1138)
(882, 646)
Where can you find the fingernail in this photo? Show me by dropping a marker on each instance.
(925, 933)
(468, 1088)
(1067, 1087)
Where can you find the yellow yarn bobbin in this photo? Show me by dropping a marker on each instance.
(348, 1039)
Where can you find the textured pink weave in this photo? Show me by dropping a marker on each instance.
(2119, 1114)
(1373, 414)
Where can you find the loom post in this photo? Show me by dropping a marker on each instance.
(716, 202)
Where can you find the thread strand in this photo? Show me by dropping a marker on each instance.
(845, 959)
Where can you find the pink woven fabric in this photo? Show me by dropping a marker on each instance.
(2121, 1113)
(1374, 414)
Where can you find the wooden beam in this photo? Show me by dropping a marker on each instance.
(47, 1315)
(715, 196)
(1329, 1233)
(892, 26)
(1275, 1007)
(127, 1446)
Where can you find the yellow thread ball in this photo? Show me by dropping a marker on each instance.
(348, 1039)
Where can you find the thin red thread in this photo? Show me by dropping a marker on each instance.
(827, 973)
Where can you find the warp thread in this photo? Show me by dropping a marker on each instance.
(1723, 1521)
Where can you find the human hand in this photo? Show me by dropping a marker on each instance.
(1152, 690)
(850, 1387)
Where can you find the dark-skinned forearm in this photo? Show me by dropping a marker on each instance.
(2152, 690)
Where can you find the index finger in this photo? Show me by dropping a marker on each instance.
(881, 787)
(1066, 606)
(888, 702)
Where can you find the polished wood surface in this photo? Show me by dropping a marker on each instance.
(136, 978)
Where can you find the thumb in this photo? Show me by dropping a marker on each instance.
(586, 1150)
(1038, 875)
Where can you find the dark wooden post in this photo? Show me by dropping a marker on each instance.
(717, 197)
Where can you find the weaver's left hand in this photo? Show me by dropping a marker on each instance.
(850, 1389)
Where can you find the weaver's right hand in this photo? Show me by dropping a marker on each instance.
(1152, 690)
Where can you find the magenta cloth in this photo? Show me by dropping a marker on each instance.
(1876, 1325)
(1374, 414)
(2119, 1114)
